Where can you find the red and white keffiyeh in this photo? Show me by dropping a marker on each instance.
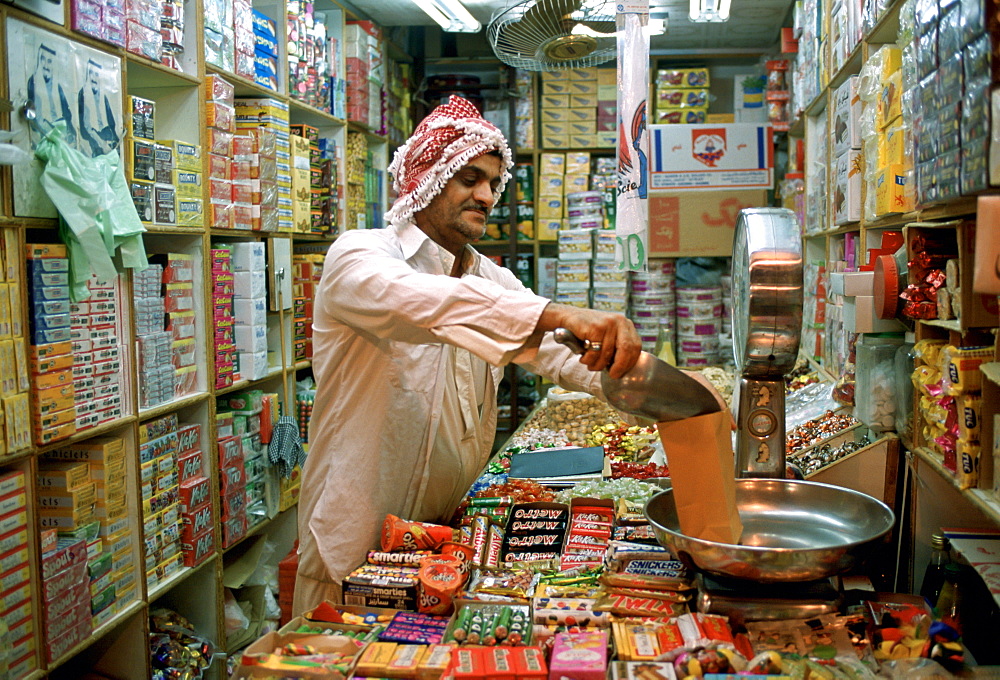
(445, 141)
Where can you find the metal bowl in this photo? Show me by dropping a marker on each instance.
(792, 531)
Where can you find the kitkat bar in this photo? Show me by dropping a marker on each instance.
(198, 550)
(190, 465)
(188, 436)
(194, 492)
(195, 522)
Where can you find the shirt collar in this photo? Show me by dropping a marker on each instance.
(412, 238)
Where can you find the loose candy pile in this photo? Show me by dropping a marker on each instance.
(176, 650)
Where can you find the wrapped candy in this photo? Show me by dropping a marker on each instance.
(176, 651)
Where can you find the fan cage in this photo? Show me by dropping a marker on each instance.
(537, 35)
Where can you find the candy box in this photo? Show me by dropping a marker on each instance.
(322, 644)
(579, 656)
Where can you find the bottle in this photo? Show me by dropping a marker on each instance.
(949, 602)
(930, 588)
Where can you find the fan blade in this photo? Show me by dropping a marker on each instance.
(539, 23)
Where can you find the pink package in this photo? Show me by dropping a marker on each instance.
(579, 656)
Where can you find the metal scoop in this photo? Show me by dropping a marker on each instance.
(651, 389)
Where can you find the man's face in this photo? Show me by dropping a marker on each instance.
(45, 64)
(93, 78)
(457, 215)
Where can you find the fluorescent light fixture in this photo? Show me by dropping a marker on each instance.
(451, 15)
(709, 10)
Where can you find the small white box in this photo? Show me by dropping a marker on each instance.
(846, 117)
(250, 284)
(847, 188)
(248, 256)
(250, 338)
(250, 311)
(860, 317)
(253, 365)
(859, 283)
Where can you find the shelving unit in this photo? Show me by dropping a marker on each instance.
(119, 646)
(935, 497)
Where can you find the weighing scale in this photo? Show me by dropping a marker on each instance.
(767, 320)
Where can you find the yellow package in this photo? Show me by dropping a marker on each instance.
(960, 367)
(969, 454)
(970, 407)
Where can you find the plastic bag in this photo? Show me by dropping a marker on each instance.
(98, 218)
(236, 619)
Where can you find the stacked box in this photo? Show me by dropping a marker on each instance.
(15, 369)
(197, 520)
(397, 103)
(65, 594)
(308, 56)
(265, 51)
(101, 19)
(111, 575)
(244, 56)
(252, 114)
(307, 268)
(301, 183)
(163, 497)
(250, 308)
(221, 125)
(681, 95)
(53, 410)
(156, 375)
(572, 102)
(220, 41)
(241, 453)
(255, 157)
(363, 56)
(357, 169)
(524, 110)
(549, 206)
(185, 179)
(15, 574)
(322, 165)
(105, 458)
(97, 337)
(142, 28)
(178, 283)
(222, 317)
(172, 32)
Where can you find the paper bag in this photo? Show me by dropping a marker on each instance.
(700, 457)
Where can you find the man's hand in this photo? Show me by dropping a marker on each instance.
(614, 342)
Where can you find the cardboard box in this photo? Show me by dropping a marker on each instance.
(706, 157)
(847, 188)
(697, 223)
(266, 644)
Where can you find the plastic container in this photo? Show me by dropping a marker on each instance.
(652, 299)
(698, 293)
(699, 327)
(595, 221)
(875, 397)
(697, 345)
(903, 369)
(710, 309)
(579, 199)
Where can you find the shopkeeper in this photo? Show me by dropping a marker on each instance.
(411, 328)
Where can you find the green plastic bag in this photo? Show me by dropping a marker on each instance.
(98, 221)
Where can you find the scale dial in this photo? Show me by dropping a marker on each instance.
(767, 291)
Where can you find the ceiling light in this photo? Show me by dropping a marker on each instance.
(451, 15)
(709, 10)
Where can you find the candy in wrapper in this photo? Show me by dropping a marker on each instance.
(494, 545)
(568, 612)
(399, 534)
(439, 581)
(463, 552)
(969, 453)
(961, 368)
(383, 558)
(480, 531)
(507, 582)
(970, 407)
(624, 605)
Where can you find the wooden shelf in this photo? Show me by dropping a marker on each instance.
(102, 429)
(155, 75)
(298, 236)
(301, 112)
(980, 499)
(244, 87)
(167, 229)
(130, 610)
(249, 384)
(173, 405)
(851, 67)
(303, 365)
(163, 587)
(886, 28)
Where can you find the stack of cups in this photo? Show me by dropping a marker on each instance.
(651, 298)
(699, 323)
(727, 304)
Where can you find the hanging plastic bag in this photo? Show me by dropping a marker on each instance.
(11, 154)
(98, 218)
